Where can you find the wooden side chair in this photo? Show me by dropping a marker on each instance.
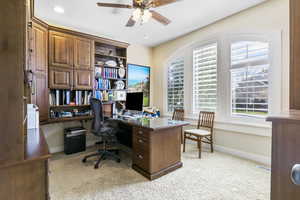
(204, 131)
(178, 114)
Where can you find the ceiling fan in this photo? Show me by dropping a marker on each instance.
(143, 10)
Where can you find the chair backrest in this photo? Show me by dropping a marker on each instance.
(206, 120)
(178, 114)
(97, 122)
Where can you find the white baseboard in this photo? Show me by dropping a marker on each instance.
(246, 155)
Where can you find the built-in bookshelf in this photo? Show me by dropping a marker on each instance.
(69, 104)
(110, 73)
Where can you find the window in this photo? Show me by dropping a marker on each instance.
(205, 78)
(176, 84)
(249, 78)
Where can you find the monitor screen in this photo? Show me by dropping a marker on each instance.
(134, 101)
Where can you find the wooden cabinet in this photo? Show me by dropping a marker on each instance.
(83, 80)
(39, 48)
(60, 78)
(285, 155)
(70, 59)
(82, 53)
(40, 94)
(39, 66)
(295, 54)
(156, 152)
(61, 50)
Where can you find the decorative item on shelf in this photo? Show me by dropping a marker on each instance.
(122, 72)
(98, 72)
(119, 85)
(120, 61)
(100, 62)
(120, 95)
(111, 63)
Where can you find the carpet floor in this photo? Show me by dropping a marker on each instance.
(216, 176)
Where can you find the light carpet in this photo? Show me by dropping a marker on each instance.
(216, 176)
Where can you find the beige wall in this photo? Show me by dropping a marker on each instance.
(267, 17)
(137, 54)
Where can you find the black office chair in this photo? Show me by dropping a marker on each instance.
(103, 129)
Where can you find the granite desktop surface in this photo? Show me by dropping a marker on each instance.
(152, 124)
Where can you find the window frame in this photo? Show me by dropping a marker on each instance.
(223, 40)
(231, 97)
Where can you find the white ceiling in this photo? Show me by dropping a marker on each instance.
(186, 16)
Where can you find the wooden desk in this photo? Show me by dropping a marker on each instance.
(156, 145)
(27, 179)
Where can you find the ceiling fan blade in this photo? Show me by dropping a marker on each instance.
(160, 18)
(114, 5)
(157, 3)
(130, 22)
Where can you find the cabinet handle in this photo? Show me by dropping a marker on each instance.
(295, 174)
(140, 156)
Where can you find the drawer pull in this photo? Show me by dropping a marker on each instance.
(140, 157)
(140, 132)
(140, 141)
(295, 174)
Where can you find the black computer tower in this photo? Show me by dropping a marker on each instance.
(74, 140)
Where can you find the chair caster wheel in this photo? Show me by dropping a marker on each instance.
(96, 166)
(118, 160)
(84, 160)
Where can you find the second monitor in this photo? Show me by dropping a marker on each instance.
(134, 101)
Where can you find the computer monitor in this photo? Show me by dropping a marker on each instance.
(134, 101)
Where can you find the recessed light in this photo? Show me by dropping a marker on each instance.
(58, 9)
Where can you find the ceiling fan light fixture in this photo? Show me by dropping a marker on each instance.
(146, 16)
(136, 14)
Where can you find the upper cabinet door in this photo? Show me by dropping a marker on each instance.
(39, 48)
(61, 49)
(60, 78)
(82, 53)
(83, 80)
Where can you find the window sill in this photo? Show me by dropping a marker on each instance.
(257, 129)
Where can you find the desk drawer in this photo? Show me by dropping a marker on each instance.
(141, 143)
(141, 159)
(140, 132)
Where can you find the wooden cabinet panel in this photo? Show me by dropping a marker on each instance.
(60, 78)
(83, 79)
(39, 66)
(285, 154)
(82, 53)
(295, 54)
(39, 48)
(40, 95)
(29, 179)
(61, 49)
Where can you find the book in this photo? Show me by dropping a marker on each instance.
(57, 97)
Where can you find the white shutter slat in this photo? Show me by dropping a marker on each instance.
(249, 78)
(175, 84)
(205, 78)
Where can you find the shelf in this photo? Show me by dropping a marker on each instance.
(111, 89)
(111, 56)
(116, 79)
(106, 66)
(64, 119)
(69, 106)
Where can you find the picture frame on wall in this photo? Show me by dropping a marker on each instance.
(139, 81)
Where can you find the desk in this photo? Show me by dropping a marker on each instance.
(156, 145)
